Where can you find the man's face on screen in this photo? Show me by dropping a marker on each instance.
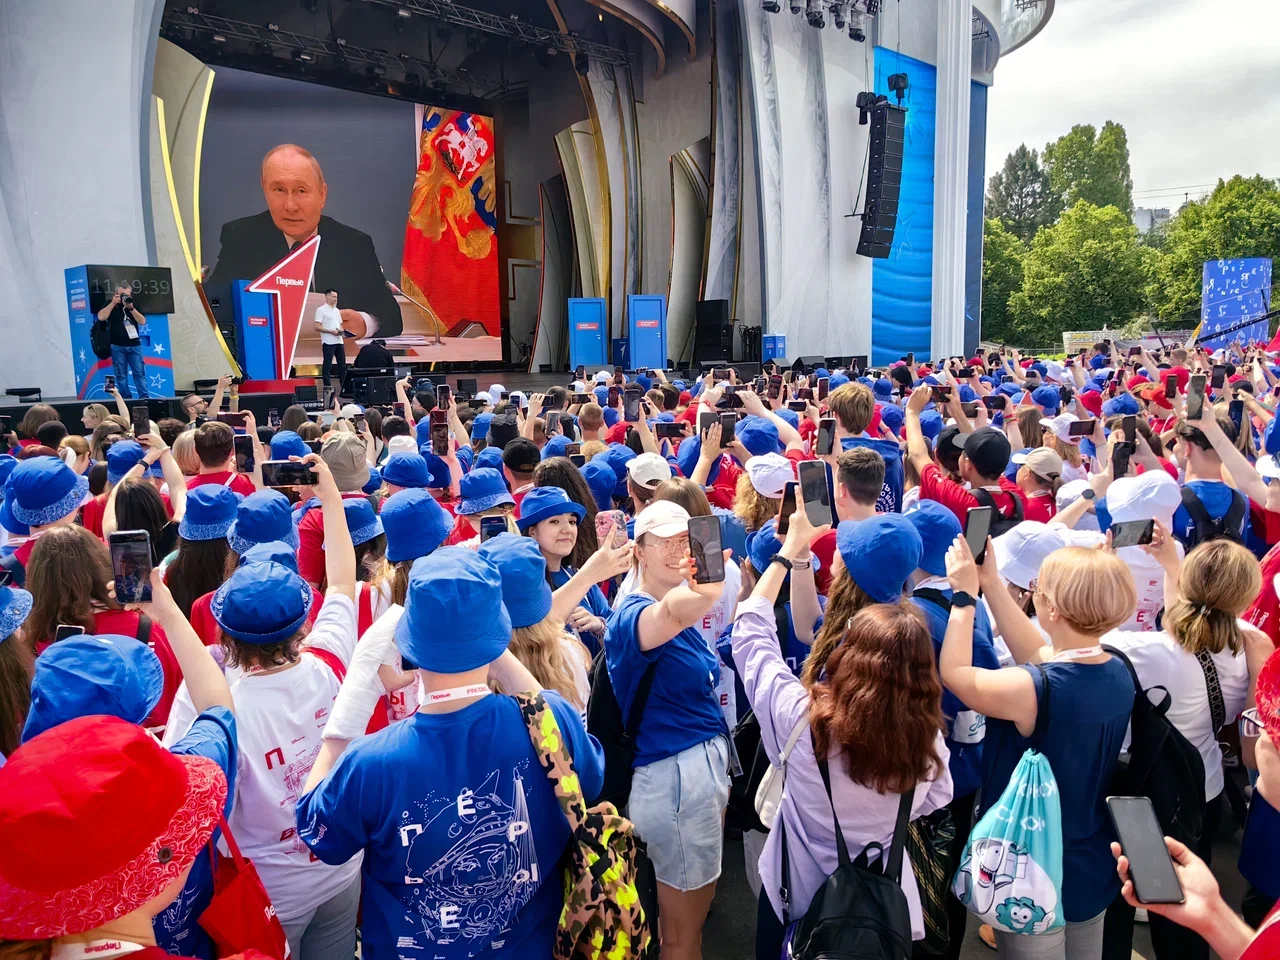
(295, 193)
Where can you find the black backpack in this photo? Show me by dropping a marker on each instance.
(1162, 764)
(100, 339)
(860, 911)
(1001, 524)
(1205, 527)
(618, 739)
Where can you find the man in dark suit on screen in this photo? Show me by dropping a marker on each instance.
(295, 191)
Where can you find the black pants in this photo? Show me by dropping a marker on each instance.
(770, 931)
(957, 914)
(335, 354)
(1169, 940)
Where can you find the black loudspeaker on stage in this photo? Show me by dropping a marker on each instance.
(367, 390)
(713, 334)
(884, 180)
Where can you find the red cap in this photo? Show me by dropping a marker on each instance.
(96, 818)
(1138, 380)
(1091, 401)
(1268, 696)
(977, 362)
(617, 433)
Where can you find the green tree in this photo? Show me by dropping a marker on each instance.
(1240, 218)
(1020, 197)
(1083, 272)
(1002, 255)
(1086, 164)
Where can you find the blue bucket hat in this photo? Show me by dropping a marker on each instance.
(374, 484)
(880, 553)
(272, 551)
(822, 372)
(617, 456)
(523, 569)
(458, 587)
(480, 426)
(15, 604)
(1271, 438)
(892, 416)
(883, 388)
(543, 502)
(211, 510)
(687, 459)
(262, 603)
(601, 481)
(758, 435)
(556, 446)
(1048, 398)
(406, 470)
(489, 458)
(414, 523)
(362, 522)
(87, 675)
(286, 444)
(763, 545)
(930, 423)
(439, 475)
(1097, 362)
(792, 418)
(262, 517)
(43, 490)
(938, 529)
(1009, 389)
(1122, 404)
(123, 456)
(601, 394)
(837, 380)
(481, 490)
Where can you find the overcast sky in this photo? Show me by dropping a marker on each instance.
(1196, 84)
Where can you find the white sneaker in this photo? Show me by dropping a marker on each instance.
(1140, 915)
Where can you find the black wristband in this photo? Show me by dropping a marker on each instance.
(962, 598)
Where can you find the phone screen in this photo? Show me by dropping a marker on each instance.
(823, 384)
(314, 445)
(911, 359)
(704, 545)
(1130, 427)
(439, 439)
(787, 508)
(728, 427)
(108, 383)
(705, 419)
(995, 402)
(234, 420)
(1082, 428)
(67, 630)
(492, 526)
(141, 417)
(815, 491)
(611, 523)
(288, 473)
(977, 527)
(631, 406)
(668, 431)
(1135, 351)
(969, 409)
(1219, 376)
(552, 423)
(1132, 533)
(1142, 840)
(1195, 397)
(131, 565)
(273, 417)
(1170, 388)
(775, 387)
(443, 394)
(1236, 411)
(244, 453)
(826, 437)
(799, 406)
(941, 395)
(1120, 460)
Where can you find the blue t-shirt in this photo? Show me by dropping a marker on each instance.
(966, 729)
(1089, 707)
(1216, 497)
(461, 829)
(890, 499)
(683, 709)
(594, 602)
(213, 735)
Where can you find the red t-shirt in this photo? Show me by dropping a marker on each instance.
(518, 496)
(311, 541)
(91, 514)
(824, 548)
(935, 485)
(240, 483)
(1040, 507)
(462, 532)
(1264, 613)
(206, 627)
(724, 488)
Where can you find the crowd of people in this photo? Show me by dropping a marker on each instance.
(497, 675)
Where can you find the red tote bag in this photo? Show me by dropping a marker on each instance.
(240, 917)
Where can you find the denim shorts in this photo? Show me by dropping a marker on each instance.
(677, 805)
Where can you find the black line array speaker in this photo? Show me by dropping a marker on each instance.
(712, 333)
(367, 391)
(884, 180)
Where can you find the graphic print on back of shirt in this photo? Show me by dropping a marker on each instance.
(470, 864)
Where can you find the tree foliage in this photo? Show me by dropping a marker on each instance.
(1002, 255)
(1083, 272)
(1020, 196)
(1091, 165)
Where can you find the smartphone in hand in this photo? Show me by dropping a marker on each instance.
(706, 549)
(1150, 867)
(977, 527)
(1195, 397)
(288, 473)
(1132, 533)
(131, 565)
(815, 491)
(245, 460)
(826, 441)
(787, 507)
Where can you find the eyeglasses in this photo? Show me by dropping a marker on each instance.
(1251, 723)
(671, 547)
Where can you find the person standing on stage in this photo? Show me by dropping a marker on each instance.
(124, 319)
(329, 322)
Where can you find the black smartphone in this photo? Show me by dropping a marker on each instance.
(580, 372)
(288, 473)
(1135, 351)
(244, 453)
(1112, 387)
(718, 375)
(940, 395)
(577, 459)
(617, 376)
(490, 527)
(1235, 409)
(823, 384)
(728, 428)
(504, 396)
(805, 393)
(65, 630)
(131, 565)
(977, 527)
(775, 387)
(140, 415)
(443, 395)
(970, 409)
(314, 445)
(1082, 428)
(1195, 397)
(1120, 459)
(615, 394)
(705, 419)
(1130, 427)
(815, 491)
(1219, 376)
(704, 546)
(631, 405)
(552, 425)
(359, 421)
(475, 403)
(787, 507)
(1132, 533)
(911, 359)
(581, 398)
(1170, 388)
(1150, 866)
(1069, 362)
(273, 418)
(108, 383)
(235, 421)
(995, 402)
(826, 441)
(668, 431)
(799, 406)
(439, 439)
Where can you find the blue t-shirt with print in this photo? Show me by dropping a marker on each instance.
(594, 601)
(461, 829)
(683, 709)
(212, 735)
(890, 499)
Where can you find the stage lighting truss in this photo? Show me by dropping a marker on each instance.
(1027, 4)
(842, 14)
(980, 29)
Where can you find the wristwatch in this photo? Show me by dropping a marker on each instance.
(962, 599)
(779, 558)
(1088, 493)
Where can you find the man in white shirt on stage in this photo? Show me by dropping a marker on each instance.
(329, 322)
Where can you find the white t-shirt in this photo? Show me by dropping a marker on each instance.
(404, 702)
(280, 718)
(1071, 472)
(1148, 578)
(1161, 661)
(330, 321)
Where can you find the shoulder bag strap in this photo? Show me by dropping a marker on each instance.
(936, 597)
(144, 628)
(893, 867)
(1233, 519)
(842, 849)
(1217, 708)
(236, 855)
(984, 498)
(1042, 705)
(800, 726)
(553, 754)
(638, 703)
(1196, 511)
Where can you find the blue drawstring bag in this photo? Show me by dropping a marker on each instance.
(1011, 873)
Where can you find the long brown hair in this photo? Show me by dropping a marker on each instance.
(67, 574)
(36, 417)
(844, 600)
(1217, 582)
(17, 666)
(753, 508)
(880, 705)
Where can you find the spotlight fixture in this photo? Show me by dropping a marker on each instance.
(581, 64)
(865, 102)
(898, 85)
(303, 56)
(840, 14)
(856, 32)
(404, 12)
(219, 38)
(815, 13)
(771, 6)
(797, 6)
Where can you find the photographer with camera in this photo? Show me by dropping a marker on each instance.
(123, 320)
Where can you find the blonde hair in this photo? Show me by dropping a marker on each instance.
(592, 449)
(505, 510)
(543, 651)
(97, 410)
(77, 443)
(1244, 435)
(1217, 582)
(751, 507)
(1092, 590)
(394, 573)
(1069, 452)
(184, 453)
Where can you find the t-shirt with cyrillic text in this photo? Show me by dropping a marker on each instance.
(460, 829)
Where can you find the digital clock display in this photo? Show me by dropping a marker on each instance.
(152, 287)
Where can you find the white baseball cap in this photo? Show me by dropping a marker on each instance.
(662, 518)
(350, 411)
(769, 474)
(1021, 551)
(1061, 425)
(402, 444)
(648, 470)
